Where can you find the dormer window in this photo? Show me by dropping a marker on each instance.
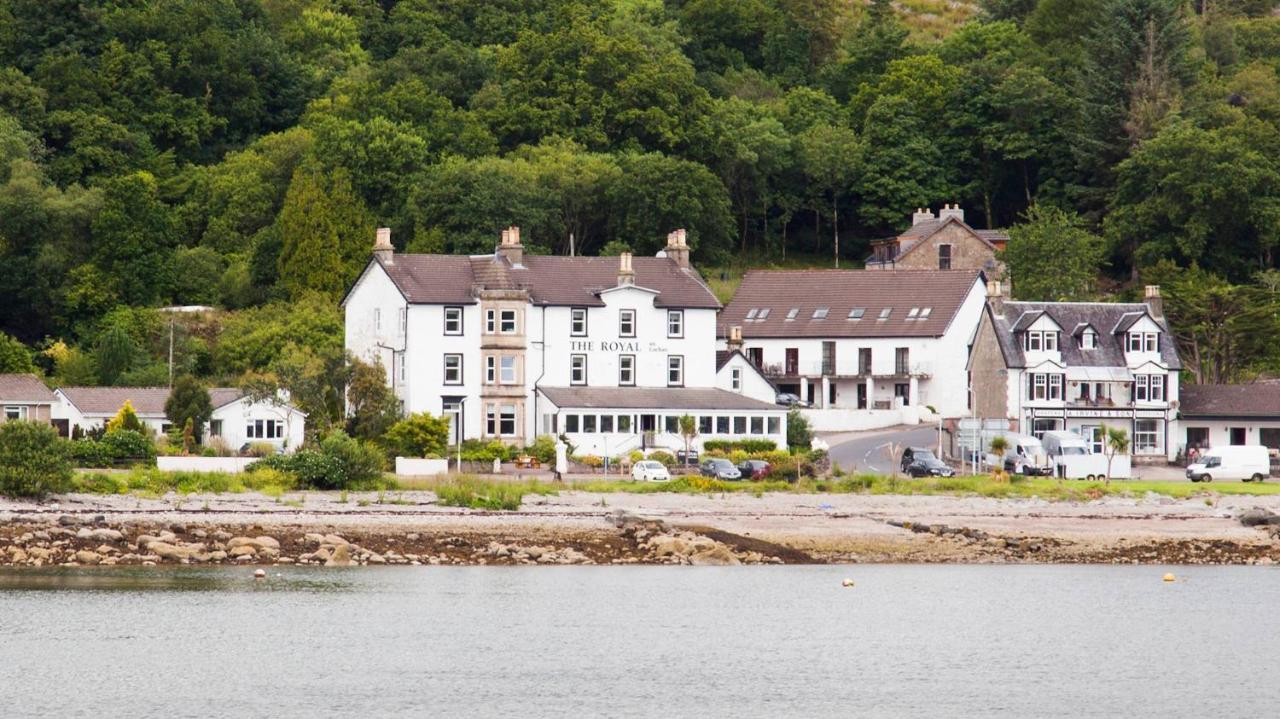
(1041, 341)
(821, 313)
(1089, 340)
(1143, 341)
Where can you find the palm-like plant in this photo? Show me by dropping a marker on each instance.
(999, 445)
(1117, 443)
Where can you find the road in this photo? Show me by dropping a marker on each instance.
(869, 451)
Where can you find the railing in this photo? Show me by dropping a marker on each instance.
(826, 369)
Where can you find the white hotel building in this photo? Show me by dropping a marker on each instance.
(607, 351)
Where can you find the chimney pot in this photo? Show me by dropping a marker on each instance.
(1155, 302)
(677, 248)
(949, 211)
(995, 297)
(626, 275)
(510, 246)
(923, 214)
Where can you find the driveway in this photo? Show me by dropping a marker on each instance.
(869, 451)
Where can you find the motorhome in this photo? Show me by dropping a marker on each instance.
(1023, 454)
(1247, 462)
(1073, 458)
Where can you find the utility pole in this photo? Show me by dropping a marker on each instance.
(171, 353)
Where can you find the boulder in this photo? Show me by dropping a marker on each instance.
(665, 545)
(17, 555)
(334, 540)
(84, 556)
(1259, 517)
(341, 557)
(242, 550)
(313, 538)
(255, 542)
(718, 556)
(376, 558)
(171, 552)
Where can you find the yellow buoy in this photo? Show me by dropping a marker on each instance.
(1168, 577)
(847, 583)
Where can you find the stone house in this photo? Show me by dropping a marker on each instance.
(944, 242)
(1079, 366)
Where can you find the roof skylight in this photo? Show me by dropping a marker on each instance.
(821, 313)
(793, 313)
(884, 314)
(857, 312)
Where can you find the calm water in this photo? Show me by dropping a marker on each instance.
(946, 641)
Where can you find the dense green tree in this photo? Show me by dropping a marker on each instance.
(189, 403)
(371, 405)
(1052, 257)
(417, 435)
(115, 353)
(133, 235)
(33, 460)
(830, 157)
(14, 356)
(326, 234)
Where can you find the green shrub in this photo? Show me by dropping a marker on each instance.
(799, 435)
(468, 491)
(124, 444)
(88, 453)
(359, 462)
(590, 460)
(666, 458)
(474, 450)
(340, 462)
(33, 460)
(635, 456)
(100, 483)
(544, 448)
(744, 445)
(417, 436)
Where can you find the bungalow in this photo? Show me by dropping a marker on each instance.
(1214, 415)
(24, 396)
(235, 419)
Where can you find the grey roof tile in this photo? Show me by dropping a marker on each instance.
(1261, 399)
(1110, 350)
(24, 388)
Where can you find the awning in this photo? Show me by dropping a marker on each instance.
(1099, 374)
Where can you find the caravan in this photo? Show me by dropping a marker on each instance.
(1073, 458)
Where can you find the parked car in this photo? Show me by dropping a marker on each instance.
(650, 471)
(911, 454)
(754, 468)
(1247, 462)
(788, 399)
(928, 466)
(690, 459)
(720, 469)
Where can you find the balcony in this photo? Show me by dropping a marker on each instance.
(918, 370)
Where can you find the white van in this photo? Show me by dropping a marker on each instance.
(1024, 454)
(1073, 458)
(1248, 462)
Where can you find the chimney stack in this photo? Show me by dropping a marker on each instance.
(949, 211)
(382, 248)
(1155, 303)
(735, 338)
(677, 248)
(510, 247)
(995, 297)
(922, 214)
(626, 275)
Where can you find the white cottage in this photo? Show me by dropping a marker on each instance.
(510, 346)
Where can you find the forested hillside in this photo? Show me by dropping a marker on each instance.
(240, 153)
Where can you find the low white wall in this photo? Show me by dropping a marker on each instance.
(231, 465)
(417, 467)
(857, 420)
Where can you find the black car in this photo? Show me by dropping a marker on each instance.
(753, 468)
(720, 469)
(788, 399)
(911, 454)
(929, 466)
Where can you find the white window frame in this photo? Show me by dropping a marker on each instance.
(1089, 340)
(457, 369)
(404, 321)
(675, 323)
(15, 412)
(505, 316)
(735, 378)
(490, 369)
(577, 369)
(453, 316)
(398, 358)
(626, 323)
(507, 369)
(1140, 387)
(1039, 386)
(675, 370)
(1150, 341)
(1157, 388)
(1033, 341)
(490, 322)
(1050, 341)
(626, 370)
(578, 322)
(507, 413)
(377, 319)
(1135, 341)
(1055, 387)
(1146, 440)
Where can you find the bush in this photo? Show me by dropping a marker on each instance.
(544, 448)
(666, 458)
(590, 460)
(33, 460)
(340, 462)
(750, 446)
(124, 444)
(126, 419)
(799, 436)
(359, 462)
(88, 453)
(417, 436)
(635, 456)
(474, 450)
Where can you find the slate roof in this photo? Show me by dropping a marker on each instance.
(1230, 400)
(663, 398)
(24, 389)
(147, 401)
(1110, 350)
(842, 291)
(109, 400)
(549, 279)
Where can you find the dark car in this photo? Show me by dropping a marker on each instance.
(929, 466)
(686, 459)
(911, 454)
(720, 469)
(753, 468)
(787, 399)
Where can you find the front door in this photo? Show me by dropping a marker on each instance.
(831, 394)
(1093, 435)
(828, 358)
(648, 422)
(451, 407)
(793, 361)
(903, 390)
(862, 395)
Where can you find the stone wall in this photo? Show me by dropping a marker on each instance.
(990, 386)
(968, 252)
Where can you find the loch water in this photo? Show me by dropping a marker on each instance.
(905, 640)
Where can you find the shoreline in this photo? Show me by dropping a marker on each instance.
(585, 528)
